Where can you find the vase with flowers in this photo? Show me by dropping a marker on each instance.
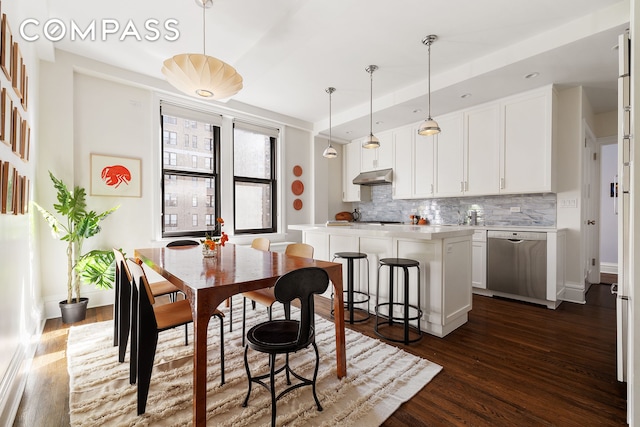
(210, 243)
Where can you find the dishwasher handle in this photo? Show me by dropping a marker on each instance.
(515, 241)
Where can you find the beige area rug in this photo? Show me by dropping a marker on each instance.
(379, 379)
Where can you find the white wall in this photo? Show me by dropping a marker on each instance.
(569, 170)
(20, 304)
(94, 108)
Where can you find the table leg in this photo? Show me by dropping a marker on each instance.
(335, 275)
(202, 312)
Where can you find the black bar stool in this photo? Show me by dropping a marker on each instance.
(363, 298)
(409, 311)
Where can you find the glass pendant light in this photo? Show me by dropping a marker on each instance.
(330, 152)
(371, 141)
(429, 126)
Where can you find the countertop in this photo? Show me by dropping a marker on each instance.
(421, 232)
(435, 231)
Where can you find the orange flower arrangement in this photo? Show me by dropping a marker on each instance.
(211, 241)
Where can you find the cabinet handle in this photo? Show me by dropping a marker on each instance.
(431, 188)
(466, 186)
(502, 183)
(462, 186)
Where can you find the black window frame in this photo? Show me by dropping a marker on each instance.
(272, 182)
(215, 175)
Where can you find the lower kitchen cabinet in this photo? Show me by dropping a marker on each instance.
(479, 259)
(445, 272)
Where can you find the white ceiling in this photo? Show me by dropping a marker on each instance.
(289, 51)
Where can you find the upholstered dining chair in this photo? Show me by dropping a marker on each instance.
(285, 336)
(265, 296)
(150, 321)
(122, 303)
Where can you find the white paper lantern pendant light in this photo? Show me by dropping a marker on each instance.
(199, 75)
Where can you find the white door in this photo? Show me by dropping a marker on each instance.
(591, 208)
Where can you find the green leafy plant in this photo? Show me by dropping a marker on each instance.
(95, 267)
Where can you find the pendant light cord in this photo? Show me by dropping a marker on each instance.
(330, 92)
(371, 70)
(204, 29)
(429, 77)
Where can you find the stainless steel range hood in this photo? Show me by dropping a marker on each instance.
(379, 177)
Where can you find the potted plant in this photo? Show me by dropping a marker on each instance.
(94, 267)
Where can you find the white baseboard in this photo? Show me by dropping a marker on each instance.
(574, 292)
(15, 379)
(609, 268)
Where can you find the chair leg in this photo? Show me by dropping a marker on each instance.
(315, 375)
(146, 354)
(221, 350)
(246, 366)
(124, 323)
(186, 334)
(272, 384)
(244, 318)
(230, 314)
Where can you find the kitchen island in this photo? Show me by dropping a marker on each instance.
(444, 253)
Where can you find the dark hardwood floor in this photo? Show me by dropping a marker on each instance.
(512, 364)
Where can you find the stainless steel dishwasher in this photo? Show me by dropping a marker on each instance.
(517, 263)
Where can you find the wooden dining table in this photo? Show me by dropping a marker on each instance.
(208, 282)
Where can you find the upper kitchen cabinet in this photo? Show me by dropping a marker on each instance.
(482, 150)
(413, 164)
(351, 168)
(449, 151)
(378, 158)
(468, 152)
(526, 153)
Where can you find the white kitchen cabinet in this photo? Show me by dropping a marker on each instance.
(449, 181)
(482, 150)
(445, 280)
(377, 158)
(479, 259)
(351, 168)
(320, 243)
(526, 154)
(376, 248)
(413, 164)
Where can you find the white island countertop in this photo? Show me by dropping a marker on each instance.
(420, 232)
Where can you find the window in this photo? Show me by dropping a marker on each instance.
(170, 138)
(171, 220)
(208, 144)
(254, 165)
(184, 181)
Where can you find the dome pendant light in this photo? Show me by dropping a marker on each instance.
(199, 75)
(429, 126)
(330, 152)
(371, 141)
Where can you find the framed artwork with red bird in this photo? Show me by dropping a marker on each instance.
(115, 176)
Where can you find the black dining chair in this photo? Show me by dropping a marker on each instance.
(122, 302)
(285, 336)
(177, 243)
(265, 296)
(149, 321)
